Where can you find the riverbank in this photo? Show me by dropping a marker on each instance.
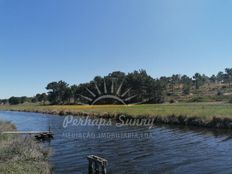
(21, 155)
(210, 115)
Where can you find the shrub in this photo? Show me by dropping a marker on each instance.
(172, 101)
(230, 101)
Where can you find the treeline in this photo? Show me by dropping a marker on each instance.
(194, 83)
(20, 100)
(133, 87)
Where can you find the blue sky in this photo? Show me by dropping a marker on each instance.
(49, 40)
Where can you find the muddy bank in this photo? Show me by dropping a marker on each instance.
(214, 122)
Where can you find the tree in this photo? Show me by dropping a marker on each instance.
(14, 100)
(164, 82)
(58, 92)
(145, 87)
(220, 77)
(175, 79)
(186, 89)
(213, 79)
(24, 99)
(67, 95)
(3, 101)
(187, 84)
(228, 75)
(74, 93)
(198, 80)
(42, 97)
(205, 79)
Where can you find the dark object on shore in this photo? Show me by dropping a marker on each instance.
(37, 134)
(97, 165)
(44, 136)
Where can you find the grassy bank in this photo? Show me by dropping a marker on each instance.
(21, 155)
(217, 115)
(202, 110)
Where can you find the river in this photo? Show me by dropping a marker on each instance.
(161, 149)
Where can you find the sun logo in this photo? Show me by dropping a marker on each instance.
(114, 93)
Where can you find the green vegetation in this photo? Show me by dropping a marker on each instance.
(202, 110)
(210, 115)
(194, 99)
(21, 155)
(142, 88)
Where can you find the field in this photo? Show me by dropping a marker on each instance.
(205, 111)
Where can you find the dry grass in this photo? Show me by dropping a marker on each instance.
(202, 110)
(21, 155)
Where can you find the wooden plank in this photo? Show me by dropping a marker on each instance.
(26, 132)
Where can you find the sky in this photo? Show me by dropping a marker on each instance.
(75, 40)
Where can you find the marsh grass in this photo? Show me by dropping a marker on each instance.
(202, 110)
(20, 155)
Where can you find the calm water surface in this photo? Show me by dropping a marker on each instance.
(161, 149)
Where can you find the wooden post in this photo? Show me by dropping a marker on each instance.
(97, 165)
(91, 167)
(97, 168)
(103, 170)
